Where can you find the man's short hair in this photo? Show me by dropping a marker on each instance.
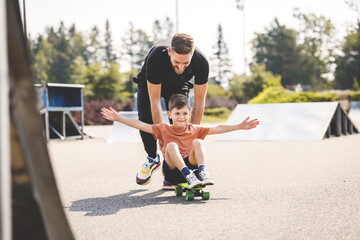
(178, 101)
(182, 43)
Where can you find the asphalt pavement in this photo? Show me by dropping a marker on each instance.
(263, 190)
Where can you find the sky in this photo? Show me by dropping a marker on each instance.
(199, 18)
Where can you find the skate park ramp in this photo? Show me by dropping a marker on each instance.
(354, 113)
(124, 133)
(290, 122)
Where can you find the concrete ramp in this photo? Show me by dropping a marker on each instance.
(354, 113)
(124, 133)
(290, 122)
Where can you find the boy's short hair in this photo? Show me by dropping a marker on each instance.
(182, 43)
(178, 101)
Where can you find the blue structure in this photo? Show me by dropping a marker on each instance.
(56, 101)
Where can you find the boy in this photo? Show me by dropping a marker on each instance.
(168, 69)
(181, 143)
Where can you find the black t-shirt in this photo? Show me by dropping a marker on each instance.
(157, 69)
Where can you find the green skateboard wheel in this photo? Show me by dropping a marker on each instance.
(189, 196)
(178, 192)
(205, 195)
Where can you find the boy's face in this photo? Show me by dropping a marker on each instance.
(180, 117)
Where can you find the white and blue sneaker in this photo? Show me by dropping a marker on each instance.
(192, 180)
(204, 176)
(144, 175)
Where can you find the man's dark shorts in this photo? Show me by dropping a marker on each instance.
(175, 176)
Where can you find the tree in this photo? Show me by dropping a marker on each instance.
(348, 64)
(318, 43)
(236, 87)
(168, 27)
(355, 6)
(356, 86)
(43, 60)
(278, 50)
(108, 84)
(79, 72)
(109, 57)
(245, 88)
(60, 69)
(135, 46)
(77, 45)
(220, 61)
(162, 30)
(100, 82)
(93, 51)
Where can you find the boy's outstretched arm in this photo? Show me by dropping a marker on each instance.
(245, 125)
(111, 114)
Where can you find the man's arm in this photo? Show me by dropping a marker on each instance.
(245, 125)
(111, 114)
(199, 103)
(154, 96)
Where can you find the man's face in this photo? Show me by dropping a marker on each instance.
(179, 61)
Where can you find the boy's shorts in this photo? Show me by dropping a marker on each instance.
(175, 176)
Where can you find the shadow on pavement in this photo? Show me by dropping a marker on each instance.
(102, 206)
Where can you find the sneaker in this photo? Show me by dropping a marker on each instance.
(192, 180)
(204, 176)
(143, 176)
(167, 185)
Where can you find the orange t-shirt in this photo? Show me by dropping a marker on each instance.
(183, 137)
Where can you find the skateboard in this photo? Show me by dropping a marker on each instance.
(191, 193)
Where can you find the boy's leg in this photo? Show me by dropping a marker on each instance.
(174, 160)
(152, 162)
(197, 157)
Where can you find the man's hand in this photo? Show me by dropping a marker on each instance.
(247, 125)
(109, 114)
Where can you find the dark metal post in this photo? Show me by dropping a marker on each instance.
(338, 121)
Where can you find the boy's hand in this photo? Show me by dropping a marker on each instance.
(109, 114)
(247, 125)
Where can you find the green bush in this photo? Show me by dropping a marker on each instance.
(217, 111)
(281, 95)
(243, 88)
(216, 115)
(354, 96)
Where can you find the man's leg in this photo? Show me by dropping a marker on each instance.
(144, 113)
(152, 162)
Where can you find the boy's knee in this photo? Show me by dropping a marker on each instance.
(198, 142)
(171, 146)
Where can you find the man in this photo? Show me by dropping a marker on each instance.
(168, 69)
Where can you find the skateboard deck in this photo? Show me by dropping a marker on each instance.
(191, 193)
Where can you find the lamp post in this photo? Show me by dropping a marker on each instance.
(240, 5)
(177, 16)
